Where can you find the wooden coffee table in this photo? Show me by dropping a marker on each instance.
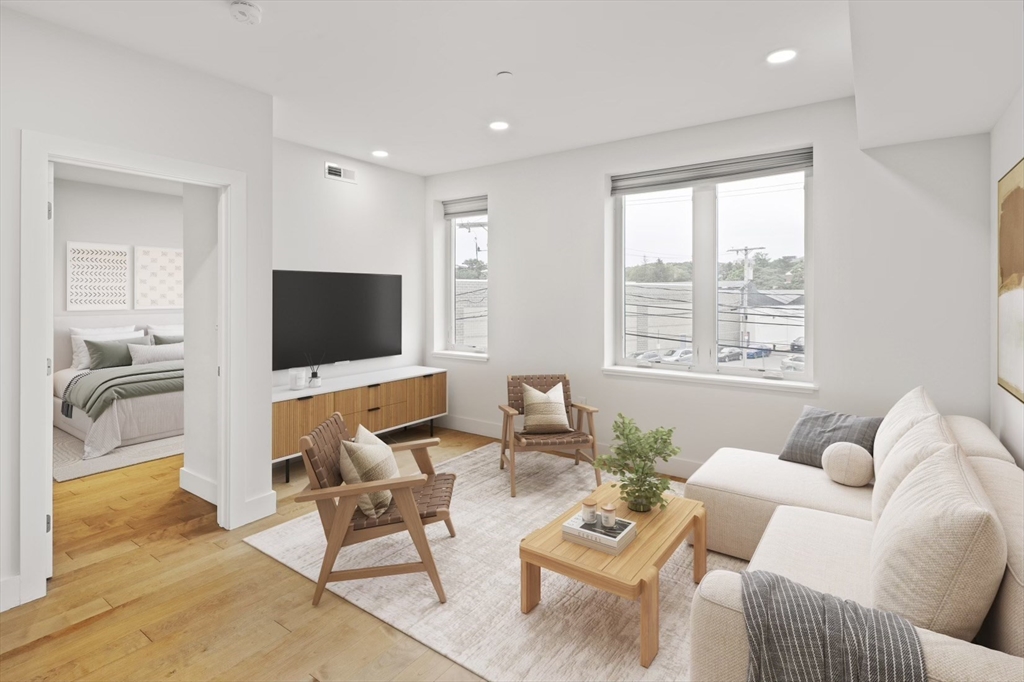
(633, 574)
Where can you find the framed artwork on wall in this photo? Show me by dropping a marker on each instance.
(1010, 341)
(97, 276)
(159, 278)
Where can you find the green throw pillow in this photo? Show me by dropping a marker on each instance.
(161, 340)
(113, 353)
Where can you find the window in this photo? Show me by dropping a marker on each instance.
(467, 268)
(713, 267)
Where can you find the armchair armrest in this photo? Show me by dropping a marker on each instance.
(340, 491)
(509, 412)
(585, 408)
(415, 444)
(420, 453)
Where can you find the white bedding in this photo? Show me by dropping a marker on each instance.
(125, 422)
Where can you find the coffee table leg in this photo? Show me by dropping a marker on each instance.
(700, 546)
(530, 586)
(649, 627)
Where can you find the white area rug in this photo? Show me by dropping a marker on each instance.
(576, 633)
(68, 451)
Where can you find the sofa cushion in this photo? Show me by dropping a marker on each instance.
(742, 488)
(817, 429)
(939, 552)
(826, 552)
(848, 464)
(976, 439)
(922, 441)
(1004, 484)
(908, 411)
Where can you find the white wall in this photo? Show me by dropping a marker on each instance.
(1007, 150)
(374, 226)
(86, 212)
(199, 473)
(63, 83)
(901, 262)
(89, 212)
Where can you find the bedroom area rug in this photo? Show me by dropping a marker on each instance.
(576, 633)
(68, 452)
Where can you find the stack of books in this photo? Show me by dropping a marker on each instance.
(595, 536)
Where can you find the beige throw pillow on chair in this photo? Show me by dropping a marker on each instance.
(939, 552)
(366, 459)
(544, 412)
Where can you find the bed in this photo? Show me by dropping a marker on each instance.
(128, 419)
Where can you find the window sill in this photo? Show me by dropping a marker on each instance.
(783, 385)
(461, 355)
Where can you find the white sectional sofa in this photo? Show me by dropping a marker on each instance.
(793, 520)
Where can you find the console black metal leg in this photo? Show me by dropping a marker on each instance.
(287, 471)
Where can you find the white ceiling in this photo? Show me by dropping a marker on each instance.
(109, 178)
(417, 78)
(932, 70)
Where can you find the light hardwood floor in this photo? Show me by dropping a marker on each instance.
(146, 586)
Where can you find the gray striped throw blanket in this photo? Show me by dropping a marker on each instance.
(798, 634)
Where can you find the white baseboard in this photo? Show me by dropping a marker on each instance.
(257, 508)
(10, 592)
(677, 466)
(198, 485)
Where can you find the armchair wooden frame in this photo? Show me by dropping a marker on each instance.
(337, 506)
(575, 445)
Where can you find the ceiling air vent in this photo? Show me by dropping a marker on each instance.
(333, 171)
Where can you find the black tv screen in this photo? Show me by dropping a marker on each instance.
(333, 316)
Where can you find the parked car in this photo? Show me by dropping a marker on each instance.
(646, 355)
(758, 350)
(730, 354)
(682, 355)
(797, 344)
(793, 363)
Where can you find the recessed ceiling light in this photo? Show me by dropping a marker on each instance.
(499, 125)
(781, 56)
(380, 153)
(504, 74)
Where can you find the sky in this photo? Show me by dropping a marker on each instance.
(766, 212)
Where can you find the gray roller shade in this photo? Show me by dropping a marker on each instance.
(684, 176)
(460, 208)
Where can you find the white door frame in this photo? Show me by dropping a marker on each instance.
(36, 436)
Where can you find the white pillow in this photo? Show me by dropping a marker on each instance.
(544, 412)
(85, 331)
(912, 408)
(166, 329)
(80, 354)
(143, 355)
(848, 464)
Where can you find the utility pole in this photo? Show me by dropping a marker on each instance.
(748, 277)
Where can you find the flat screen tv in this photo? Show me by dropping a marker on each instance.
(334, 316)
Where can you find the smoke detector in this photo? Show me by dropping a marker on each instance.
(245, 12)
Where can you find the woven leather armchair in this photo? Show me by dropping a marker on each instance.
(416, 500)
(571, 444)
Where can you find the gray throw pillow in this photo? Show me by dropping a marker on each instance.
(816, 429)
(113, 353)
(165, 339)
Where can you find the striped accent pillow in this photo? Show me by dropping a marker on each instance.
(363, 462)
(544, 412)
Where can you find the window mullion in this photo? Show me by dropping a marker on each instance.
(705, 278)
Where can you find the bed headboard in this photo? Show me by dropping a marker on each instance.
(62, 323)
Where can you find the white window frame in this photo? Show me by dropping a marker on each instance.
(705, 295)
(450, 266)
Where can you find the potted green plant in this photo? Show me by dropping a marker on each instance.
(632, 460)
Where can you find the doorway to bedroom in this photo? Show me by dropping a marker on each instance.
(134, 265)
